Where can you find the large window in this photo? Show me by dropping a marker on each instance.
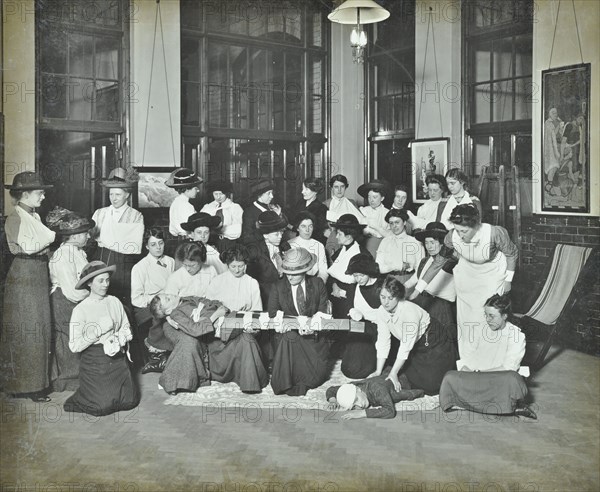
(253, 91)
(391, 87)
(81, 96)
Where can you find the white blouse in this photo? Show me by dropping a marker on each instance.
(236, 294)
(65, 267)
(182, 284)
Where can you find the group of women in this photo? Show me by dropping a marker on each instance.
(419, 282)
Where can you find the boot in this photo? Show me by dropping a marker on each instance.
(157, 362)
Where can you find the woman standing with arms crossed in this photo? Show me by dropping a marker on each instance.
(26, 334)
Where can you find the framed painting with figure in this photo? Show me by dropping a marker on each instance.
(429, 156)
(566, 139)
(152, 190)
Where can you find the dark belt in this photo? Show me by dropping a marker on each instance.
(43, 258)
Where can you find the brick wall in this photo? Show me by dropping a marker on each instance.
(540, 234)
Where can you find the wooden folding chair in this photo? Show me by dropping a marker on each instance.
(567, 275)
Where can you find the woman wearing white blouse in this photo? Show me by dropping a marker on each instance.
(457, 182)
(66, 265)
(303, 224)
(487, 380)
(237, 290)
(431, 210)
(100, 330)
(421, 337)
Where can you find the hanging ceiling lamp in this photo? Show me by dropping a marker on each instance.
(358, 12)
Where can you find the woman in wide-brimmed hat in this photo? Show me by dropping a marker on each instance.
(374, 192)
(439, 297)
(66, 265)
(303, 224)
(348, 231)
(262, 193)
(300, 361)
(100, 331)
(199, 227)
(186, 183)
(358, 353)
(26, 334)
(120, 231)
(231, 213)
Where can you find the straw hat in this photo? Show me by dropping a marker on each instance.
(183, 178)
(91, 270)
(66, 222)
(297, 260)
(27, 181)
(270, 221)
(121, 178)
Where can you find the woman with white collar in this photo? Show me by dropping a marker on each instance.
(229, 212)
(121, 231)
(377, 227)
(303, 224)
(348, 230)
(24, 352)
(457, 183)
(432, 209)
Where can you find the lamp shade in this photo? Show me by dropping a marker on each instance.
(370, 12)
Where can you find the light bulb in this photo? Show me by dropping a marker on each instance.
(354, 37)
(362, 39)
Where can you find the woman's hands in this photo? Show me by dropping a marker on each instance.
(374, 374)
(219, 312)
(337, 292)
(394, 379)
(507, 286)
(354, 414)
(355, 314)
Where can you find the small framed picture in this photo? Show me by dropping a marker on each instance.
(152, 191)
(566, 139)
(429, 156)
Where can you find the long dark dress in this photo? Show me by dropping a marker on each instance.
(26, 330)
(65, 364)
(301, 361)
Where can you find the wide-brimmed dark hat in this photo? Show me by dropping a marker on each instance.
(363, 263)
(91, 270)
(297, 260)
(261, 187)
(436, 230)
(303, 215)
(201, 219)
(380, 185)
(121, 178)
(222, 186)
(270, 221)
(66, 222)
(347, 220)
(183, 178)
(27, 181)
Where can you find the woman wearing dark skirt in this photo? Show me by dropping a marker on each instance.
(66, 265)
(359, 358)
(439, 296)
(26, 332)
(100, 331)
(426, 352)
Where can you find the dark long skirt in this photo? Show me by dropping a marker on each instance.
(430, 359)
(65, 364)
(105, 384)
(239, 360)
(120, 281)
(495, 392)
(359, 357)
(300, 363)
(440, 309)
(26, 330)
(187, 366)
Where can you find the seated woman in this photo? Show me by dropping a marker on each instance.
(304, 224)
(487, 380)
(100, 330)
(195, 275)
(432, 209)
(300, 360)
(66, 265)
(439, 296)
(199, 227)
(457, 183)
(359, 358)
(360, 396)
(311, 187)
(229, 212)
(348, 230)
(237, 290)
(402, 202)
(426, 352)
(377, 228)
(198, 354)
(399, 252)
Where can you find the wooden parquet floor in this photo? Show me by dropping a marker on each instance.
(158, 447)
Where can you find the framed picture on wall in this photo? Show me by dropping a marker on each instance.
(565, 139)
(152, 191)
(428, 156)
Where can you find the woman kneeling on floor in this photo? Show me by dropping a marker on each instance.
(487, 380)
(100, 330)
